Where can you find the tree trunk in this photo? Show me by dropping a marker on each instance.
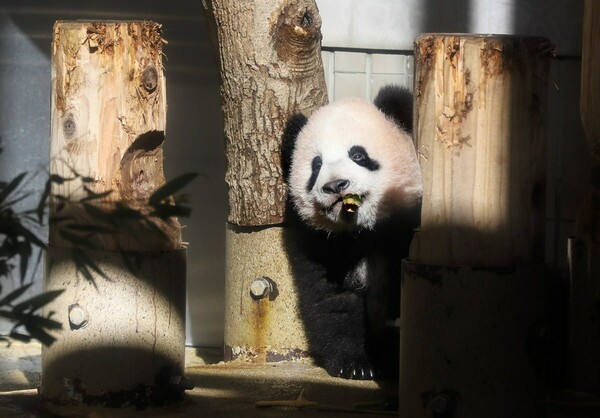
(109, 114)
(478, 129)
(271, 67)
(123, 314)
(472, 289)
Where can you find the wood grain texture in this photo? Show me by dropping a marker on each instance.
(478, 129)
(270, 66)
(108, 123)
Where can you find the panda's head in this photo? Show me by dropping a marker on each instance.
(350, 147)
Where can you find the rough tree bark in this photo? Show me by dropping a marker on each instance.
(270, 61)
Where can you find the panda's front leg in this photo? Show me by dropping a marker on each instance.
(341, 334)
(340, 343)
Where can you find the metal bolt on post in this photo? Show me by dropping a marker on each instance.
(261, 288)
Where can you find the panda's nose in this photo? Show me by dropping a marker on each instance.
(335, 186)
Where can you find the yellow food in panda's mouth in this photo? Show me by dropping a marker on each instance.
(351, 203)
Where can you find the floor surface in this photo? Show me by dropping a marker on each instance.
(237, 390)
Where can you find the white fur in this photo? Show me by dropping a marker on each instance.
(330, 133)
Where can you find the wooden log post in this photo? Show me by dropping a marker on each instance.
(124, 301)
(472, 288)
(584, 248)
(270, 65)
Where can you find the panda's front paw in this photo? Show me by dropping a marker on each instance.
(355, 370)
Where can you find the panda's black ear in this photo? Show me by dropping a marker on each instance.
(292, 128)
(397, 103)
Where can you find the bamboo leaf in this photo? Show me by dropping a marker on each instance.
(84, 270)
(24, 250)
(76, 239)
(38, 301)
(28, 235)
(170, 188)
(97, 213)
(92, 265)
(85, 265)
(165, 211)
(10, 315)
(55, 178)
(41, 207)
(28, 318)
(18, 336)
(93, 195)
(37, 264)
(128, 264)
(17, 199)
(123, 212)
(40, 335)
(156, 229)
(95, 229)
(58, 219)
(10, 187)
(15, 294)
(47, 323)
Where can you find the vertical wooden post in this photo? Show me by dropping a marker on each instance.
(472, 289)
(124, 319)
(584, 249)
(481, 148)
(271, 67)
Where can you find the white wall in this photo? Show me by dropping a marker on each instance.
(393, 24)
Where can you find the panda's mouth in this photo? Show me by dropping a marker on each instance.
(347, 203)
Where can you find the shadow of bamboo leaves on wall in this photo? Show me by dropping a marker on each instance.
(163, 204)
(19, 235)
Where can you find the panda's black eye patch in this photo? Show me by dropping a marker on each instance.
(360, 156)
(316, 164)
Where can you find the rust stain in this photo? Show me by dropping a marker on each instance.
(456, 101)
(452, 44)
(425, 48)
(496, 57)
(260, 325)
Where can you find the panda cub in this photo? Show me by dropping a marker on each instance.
(355, 191)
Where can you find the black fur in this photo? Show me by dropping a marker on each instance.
(316, 168)
(348, 283)
(361, 157)
(346, 322)
(293, 127)
(396, 102)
